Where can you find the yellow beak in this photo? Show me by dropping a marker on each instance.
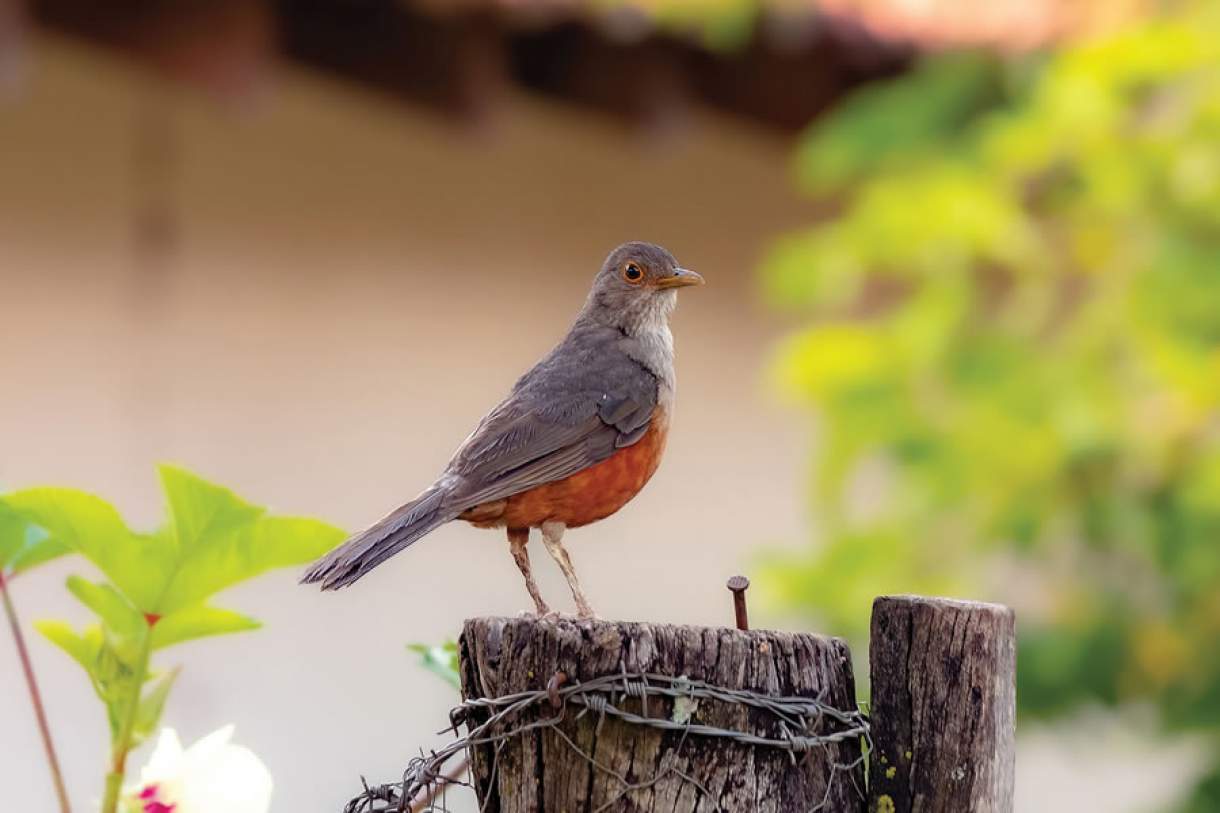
(680, 279)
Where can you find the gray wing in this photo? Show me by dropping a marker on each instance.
(573, 410)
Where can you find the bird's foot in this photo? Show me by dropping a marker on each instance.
(542, 613)
(548, 615)
(555, 615)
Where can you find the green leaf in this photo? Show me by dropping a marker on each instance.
(246, 552)
(201, 511)
(22, 545)
(38, 550)
(103, 666)
(441, 660)
(12, 535)
(114, 610)
(137, 565)
(84, 649)
(214, 539)
(148, 714)
(198, 622)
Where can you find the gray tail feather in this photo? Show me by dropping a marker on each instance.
(369, 548)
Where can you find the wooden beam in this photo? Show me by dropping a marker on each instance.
(943, 706)
(645, 81)
(458, 57)
(224, 46)
(794, 68)
(455, 63)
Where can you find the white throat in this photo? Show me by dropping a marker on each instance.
(652, 343)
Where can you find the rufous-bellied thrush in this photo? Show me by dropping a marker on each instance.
(578, 437)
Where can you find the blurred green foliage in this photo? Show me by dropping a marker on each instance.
(441, 660)
(719, 25)
(157, 585)
(1015, 359)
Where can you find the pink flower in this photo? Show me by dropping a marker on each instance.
(150, 802)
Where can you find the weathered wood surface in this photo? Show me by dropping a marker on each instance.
(538, 771)
(943, 706)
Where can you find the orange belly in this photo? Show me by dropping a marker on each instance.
(587, 496)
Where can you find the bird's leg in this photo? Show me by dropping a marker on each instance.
(517, 539)
(552, 536)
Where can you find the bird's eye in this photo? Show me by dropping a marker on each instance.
(632, 273)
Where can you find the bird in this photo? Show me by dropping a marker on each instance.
(577, 437)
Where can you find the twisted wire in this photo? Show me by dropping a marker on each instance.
(798, 720)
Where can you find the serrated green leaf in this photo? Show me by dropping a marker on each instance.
(114, 610)
(201, 511)
(441, 660)
(22, 545)
(199, 621)
(239, 555)
(152, 704)
(136, 564)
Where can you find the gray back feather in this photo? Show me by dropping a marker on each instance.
(587, 398)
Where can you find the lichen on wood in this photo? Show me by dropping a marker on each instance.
(943, 706)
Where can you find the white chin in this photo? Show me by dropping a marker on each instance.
(663, 305)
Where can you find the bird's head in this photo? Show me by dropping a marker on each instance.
(637, 286)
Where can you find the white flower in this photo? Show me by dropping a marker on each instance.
(211, 776)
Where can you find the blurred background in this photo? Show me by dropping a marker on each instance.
(961, 334)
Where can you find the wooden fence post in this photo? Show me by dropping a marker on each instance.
(628, 766)
(943, 706)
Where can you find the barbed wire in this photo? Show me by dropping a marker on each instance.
(802, 723)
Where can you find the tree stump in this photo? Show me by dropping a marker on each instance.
(943, 706)
(632, 767)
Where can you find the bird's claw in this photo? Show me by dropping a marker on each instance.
(555, 615)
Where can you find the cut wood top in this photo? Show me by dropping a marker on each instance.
(757, 660)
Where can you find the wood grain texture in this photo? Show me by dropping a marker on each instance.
(538, 771)
(943, 706)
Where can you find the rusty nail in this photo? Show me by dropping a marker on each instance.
(738, 585)
(552, 689)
